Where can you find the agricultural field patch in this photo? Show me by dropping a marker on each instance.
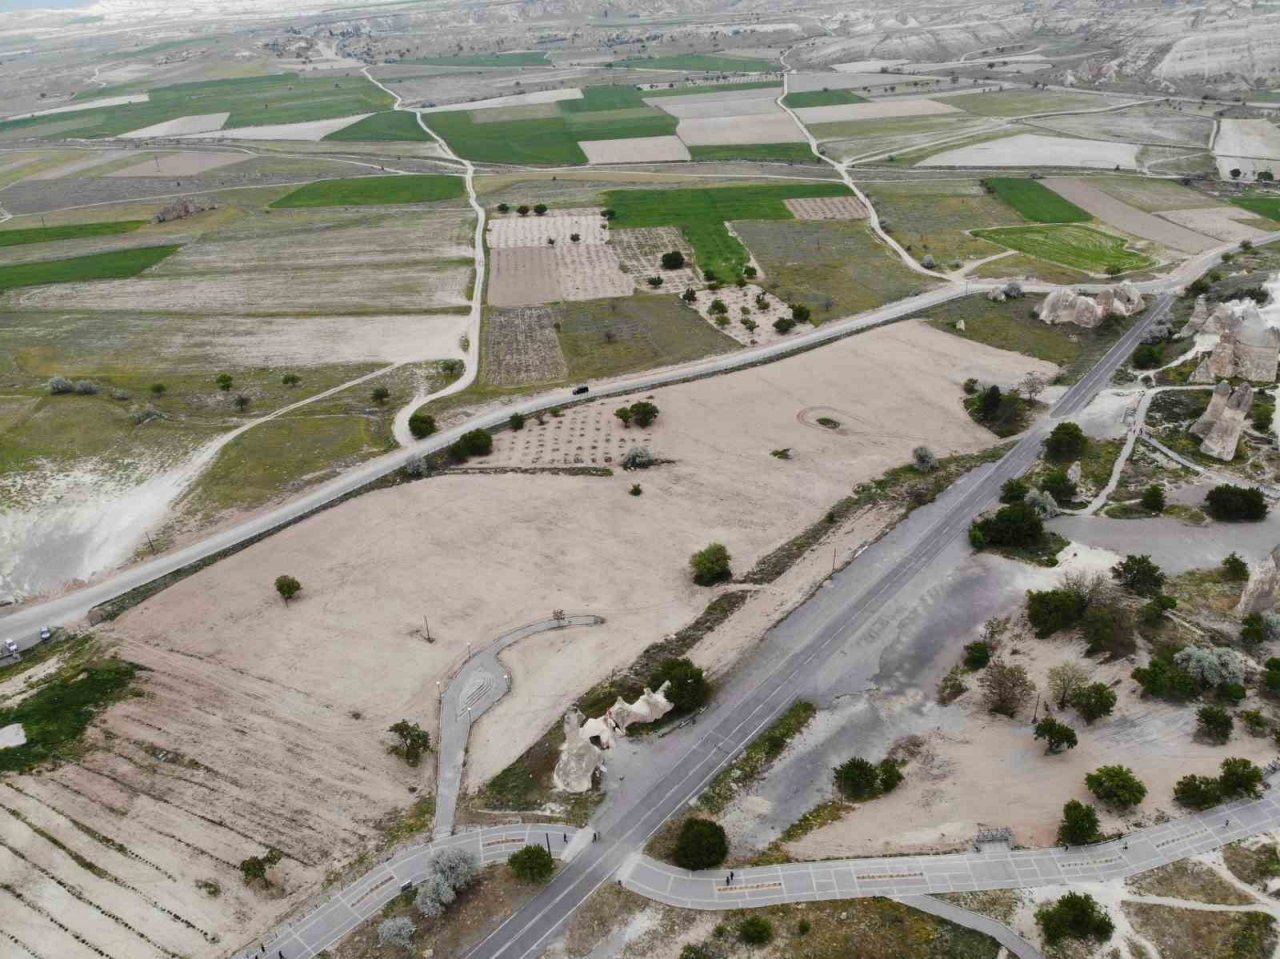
(179, 164)
(875, 110)
(81, 269)
(684, 89)
(590, 271)
(861, 138)
(528, 58)
(720, 131)
(821, 98)
(1264, 206)
(1128, 219)
(835, 268)
(610, 337)
(1035, 201)
(763, 152)
(1079, 247)
(388, 125)
(640, 256)
(546, 141)
(521, 347)
(749, 313)
(503, 231)
(698, 61)
(1034, 150)
(827, 208)
(1152, 195)
(72, 231)
(523, 276)
(1249, 146)
(528, 111)
(249, 101)
(1014, 103)
(1222, 223)
(304, 130)
(702, 214)
(935, 217)
(736, 103)
(1152, 124)
(662, 149)
(201, 123)
(374, 191)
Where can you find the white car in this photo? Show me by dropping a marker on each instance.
(45, 633)
(10, 648)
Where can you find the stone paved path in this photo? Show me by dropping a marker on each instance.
(476, 687)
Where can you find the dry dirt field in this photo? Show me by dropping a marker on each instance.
(181, 164)
(1127, 219)
(737, 103)
(522, 276)
(712, 131)
(79, 164)
(946, 798)
(590, 271)
(1221, 223)
(635, 150)
(827, 208)
(201, 123)
(1250, 145)
(1031, 149)
(521, 346)
(879, 110)
(640, 255)
(313, 130)
(512, 230)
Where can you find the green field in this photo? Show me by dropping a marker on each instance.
(1267, 206)
(116, 265)
(375, 191)
(390, 125)
(1035, 201)
(609, 337)
(1013, 103)
(698, 61)
(822, 98)
(788, 152)
(936, 217)
(1081, 247)
(702, 214)
(546, 141)
(69, 232)
(528, 58)
(692, 89)
(250, 101)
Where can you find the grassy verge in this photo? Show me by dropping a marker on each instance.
(55, 715)
(755, 759)
(1046, 554)
(116, 265)
(374, 191)
(389, 125)
(1079, 247)
(1035, 201)
(69, 232)
(702, 214)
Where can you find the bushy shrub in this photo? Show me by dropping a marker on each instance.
(1116, 786)
(1052, 610)
(711, 565)
(637, 458)
(1197, 792)
(448, 873)
(1011, 527)
(924, 459)
(672, 260)
(422, 425)
(689, 689)
(532, 864)
(396, 931)
(701, 844)
(1079, 824)
(59, 385)
(1153, 499)
(755, 930)
(1214, 723)
(1014, 490)
(1059, 485)
(1164, 679)
(1234, 569)
(976, 655)
(1108, 628)
(1094, 701)
(477, 442)
(1067, 442)
(1215, 666)
(1057, 736)
(784, 324)
(1239, 777)
(1139, 575)
(1076, 915)
(1232, 504)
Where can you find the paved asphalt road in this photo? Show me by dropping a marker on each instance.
(675, 780)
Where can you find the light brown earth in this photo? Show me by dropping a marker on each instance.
(1221, 223)
(521, 346)
(181, 164)
(735, 298)
(523, 276)
(1128, 219)
(737, 103)
(946, 796)
(511, 230)
(711, 131)
(827, 208)
(876, 110)
(640, 255)
(590, 271)
(635, 150)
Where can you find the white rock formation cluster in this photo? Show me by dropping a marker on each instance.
(1248, 346)
(1065, 305)
(585, 742)
(1221, 424)
(1259, 594)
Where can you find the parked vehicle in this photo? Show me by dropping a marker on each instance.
(579, 390)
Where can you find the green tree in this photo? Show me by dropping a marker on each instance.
(421, 425)
(1253, 629)
(1014, 490)
(624, 414)
(516, 421)
(1148, 356)
(1094, 701)
(711, 565)
(1067, 442)
(291, 379)
(784, 324)
(755, 931)
(380, 394)
(241, 402)
(1138, 574)
(522, 209)
(1079, 824)
(1005, 688)
(689, 689)
(287, 587)
(411, 741)
(890, 775)
(1076, 915)
(1065, 680)
(1214, 723)
(254, 869)
(1059, 485)
(858, 779)
(672, 260)
(976, 655)
(539, 209)
(800, 313)
(158, 390)
(1108, 628)
(532, 864)
(989, 405)
(689, 296)
(1057, 736)
(1197, 792)
(700, 844)
(477, 442)
(643, 413)
(1011, 527)
(1234, 504)
(1234, 569)
(1153, 498)
(224, 381)
(1052, 610)
(1116, 786)
(1240, 777)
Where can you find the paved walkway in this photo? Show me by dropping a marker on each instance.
(475, 688)
(328, 923)
(974, 920)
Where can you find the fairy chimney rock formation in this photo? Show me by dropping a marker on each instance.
(1217, 403)
(585, 742)
(1259, 594)
(1224, 435)
(1248, 347)
(1064, 305)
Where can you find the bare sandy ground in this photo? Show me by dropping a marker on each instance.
(1221, 223)
(311, 130)
(515, 100)
(875, 110)
(711, 131)
(511, 230)
(635, 150)
(1247, 145)
(522, 276)
(947, 794)
(827, 208)
(181, 164)
(81, 105)
(846, 80)
(734, 103)
(1032, 149)
(82, 164)
(1128, 219)
(590, 272)
(735, 298)
(201, 123)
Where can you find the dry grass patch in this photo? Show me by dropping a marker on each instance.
(827, 208)
(590, 271)
(521, 347)
(640, 255)
(1187, 879)
(1197, 934)
(1253, 861)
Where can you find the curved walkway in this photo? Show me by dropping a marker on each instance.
(477, 686)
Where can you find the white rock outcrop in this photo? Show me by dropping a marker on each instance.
(1248, 346)
(1259, 594)
(1065, 305)
(585, 742)
(1222, 423)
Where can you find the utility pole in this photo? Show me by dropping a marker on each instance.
(426, 628)
(151, 544)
